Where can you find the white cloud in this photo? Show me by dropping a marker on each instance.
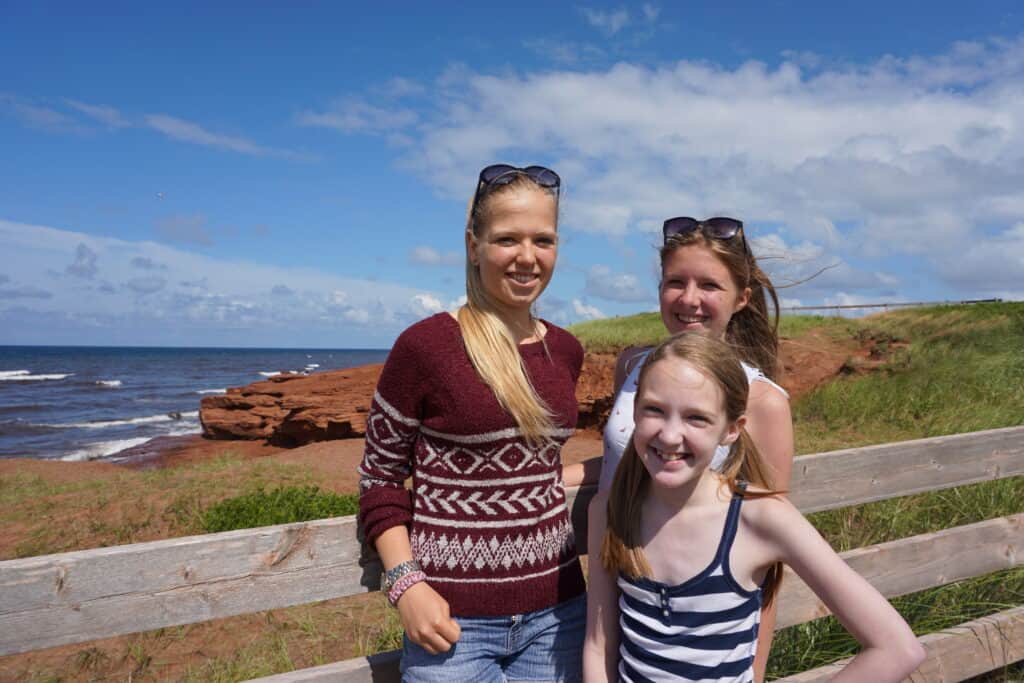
(428, 303)
(428, 256)
(650, 11)
(602, 283)
(193, 299)
(187, 131)
(25, 292)
(84, 265)
(108, 116)
(900, 157)
(585, 311)
(350, 115)
(147, 263)
(146, 285)
(611, 22)
(37, 116)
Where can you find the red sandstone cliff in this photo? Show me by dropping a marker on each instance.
(292, 410)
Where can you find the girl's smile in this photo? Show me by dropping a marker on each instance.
(698, 292)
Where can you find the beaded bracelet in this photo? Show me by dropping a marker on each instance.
(403, 584)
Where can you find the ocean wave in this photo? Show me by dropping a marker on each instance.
(184, 430)
(212, 391)
(103, 449)
(103, 424)
(4, 374)
(25, 376)
(112, 383)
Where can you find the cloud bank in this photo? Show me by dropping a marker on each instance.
(61, 286)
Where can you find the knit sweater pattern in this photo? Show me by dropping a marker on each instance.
(487, 514)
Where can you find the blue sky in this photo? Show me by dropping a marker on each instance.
(268, 176)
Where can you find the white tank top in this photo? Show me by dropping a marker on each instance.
(619, 428)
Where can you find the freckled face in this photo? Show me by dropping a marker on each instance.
(680, 421)
(516, 250)
(698, 293)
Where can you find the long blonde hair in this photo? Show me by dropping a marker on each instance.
(490, 344)
(622, 548)
(754, 329)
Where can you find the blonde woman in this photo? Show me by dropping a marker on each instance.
(480, 557)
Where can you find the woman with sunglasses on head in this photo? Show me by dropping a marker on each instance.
(711, 283)
(480, 559)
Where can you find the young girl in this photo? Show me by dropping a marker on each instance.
(480, 557)
(684, 557)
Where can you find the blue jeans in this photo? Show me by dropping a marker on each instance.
(546, 645)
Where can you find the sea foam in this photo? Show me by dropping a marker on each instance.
(26, 376)
(103, 424)
(103, 449)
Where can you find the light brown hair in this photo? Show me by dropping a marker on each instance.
(489, 343)
(753, 330)
(622, 548)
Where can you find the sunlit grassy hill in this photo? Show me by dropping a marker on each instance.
(952, 369)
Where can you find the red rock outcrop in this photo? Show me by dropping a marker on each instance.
(292, 410)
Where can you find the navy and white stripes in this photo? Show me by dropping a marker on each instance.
(702, 630)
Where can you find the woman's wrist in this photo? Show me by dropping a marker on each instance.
(403, 584)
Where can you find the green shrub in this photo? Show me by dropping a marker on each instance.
(281, 505)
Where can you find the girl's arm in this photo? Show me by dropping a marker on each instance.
(589, 471)
(385, 508)
(770, 425)
(601, 647)
(890, 652)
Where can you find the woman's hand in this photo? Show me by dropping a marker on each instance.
(426, 619)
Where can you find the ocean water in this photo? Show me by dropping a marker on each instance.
(99, 403)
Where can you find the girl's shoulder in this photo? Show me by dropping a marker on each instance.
(774, 520)
(761, 383)
(629, 360)
(555, 335)
(444, 324)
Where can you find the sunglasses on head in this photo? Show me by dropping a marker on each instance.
(503, 174)
(718, 228)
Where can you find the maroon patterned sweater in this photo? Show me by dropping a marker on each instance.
(487, 513)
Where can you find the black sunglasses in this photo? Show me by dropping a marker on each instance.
(718, 228)
(503, 174)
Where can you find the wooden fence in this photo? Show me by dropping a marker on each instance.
(86, 595)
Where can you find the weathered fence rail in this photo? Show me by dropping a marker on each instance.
(86, 595)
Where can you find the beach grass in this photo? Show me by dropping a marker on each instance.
(136, 506)
(611, 335)
(954, 369)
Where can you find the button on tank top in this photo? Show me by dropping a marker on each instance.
(704, 629)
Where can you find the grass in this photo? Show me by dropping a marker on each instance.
(282, 505)
(963, 371)
(133, 507)
(611, 335)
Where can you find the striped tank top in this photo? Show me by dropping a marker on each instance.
(704, 629)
